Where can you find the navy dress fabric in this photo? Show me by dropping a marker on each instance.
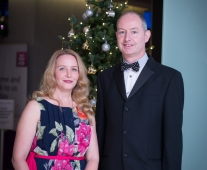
(61, 131)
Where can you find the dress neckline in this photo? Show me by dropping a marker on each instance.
(57, 105)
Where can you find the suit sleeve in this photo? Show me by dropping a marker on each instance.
(172, 123)
(100, 117)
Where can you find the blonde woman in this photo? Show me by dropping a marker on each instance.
(57, 127)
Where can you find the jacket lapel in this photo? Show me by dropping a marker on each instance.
(146, 73)
(119, 80)
(144, 76)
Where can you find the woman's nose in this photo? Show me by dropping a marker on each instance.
(68, 73)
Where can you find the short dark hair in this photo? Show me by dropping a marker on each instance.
(144, 23)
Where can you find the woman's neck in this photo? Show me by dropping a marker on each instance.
(65, 99)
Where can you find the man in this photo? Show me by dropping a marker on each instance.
(139, 107)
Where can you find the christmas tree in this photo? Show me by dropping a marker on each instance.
(94, 38)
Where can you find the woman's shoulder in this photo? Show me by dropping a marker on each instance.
(31, 111)
(32, 104)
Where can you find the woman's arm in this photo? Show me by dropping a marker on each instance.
(25, 133)
(92, 155)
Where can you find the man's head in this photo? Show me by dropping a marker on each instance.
(132, 34)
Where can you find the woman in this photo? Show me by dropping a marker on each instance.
(57, 128)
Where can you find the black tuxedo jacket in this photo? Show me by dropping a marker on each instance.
(143, 131)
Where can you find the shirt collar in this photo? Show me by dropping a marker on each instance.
(142, 61)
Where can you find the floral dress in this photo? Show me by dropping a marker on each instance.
(61, 132)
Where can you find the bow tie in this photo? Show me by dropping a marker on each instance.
(134, 66)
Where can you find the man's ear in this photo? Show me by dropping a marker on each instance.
(147, 35)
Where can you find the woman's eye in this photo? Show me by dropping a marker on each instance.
(61, 68)
(74, 69)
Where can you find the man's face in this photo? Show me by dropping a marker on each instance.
(131, 37)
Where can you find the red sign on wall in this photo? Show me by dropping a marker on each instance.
(21, 59)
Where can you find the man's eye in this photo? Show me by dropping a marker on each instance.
(121, 32)
(134, 32)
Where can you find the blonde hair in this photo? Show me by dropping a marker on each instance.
(79, 93)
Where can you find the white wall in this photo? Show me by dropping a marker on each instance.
(185, 48)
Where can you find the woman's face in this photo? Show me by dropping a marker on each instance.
(66, 72)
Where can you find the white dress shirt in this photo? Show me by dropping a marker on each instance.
(131, 76)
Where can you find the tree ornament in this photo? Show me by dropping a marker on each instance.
(110, 13)
(93, 102)
(92, 45)
(85, 46)
(110, 6)
(89, 12)
(92, 70)
(62, 43)
(84, 16)
(86, 29)
(71, 33)
(105, 47)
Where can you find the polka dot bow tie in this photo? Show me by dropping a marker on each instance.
(134, 66)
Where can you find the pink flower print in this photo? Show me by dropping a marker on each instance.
(83, 137)
(62, 165)
(65, 148)
(34, 143)
(61, 135)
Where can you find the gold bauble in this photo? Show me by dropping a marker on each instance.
(92, 70)
(85, 46)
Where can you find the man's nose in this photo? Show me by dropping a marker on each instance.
(127, 36)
